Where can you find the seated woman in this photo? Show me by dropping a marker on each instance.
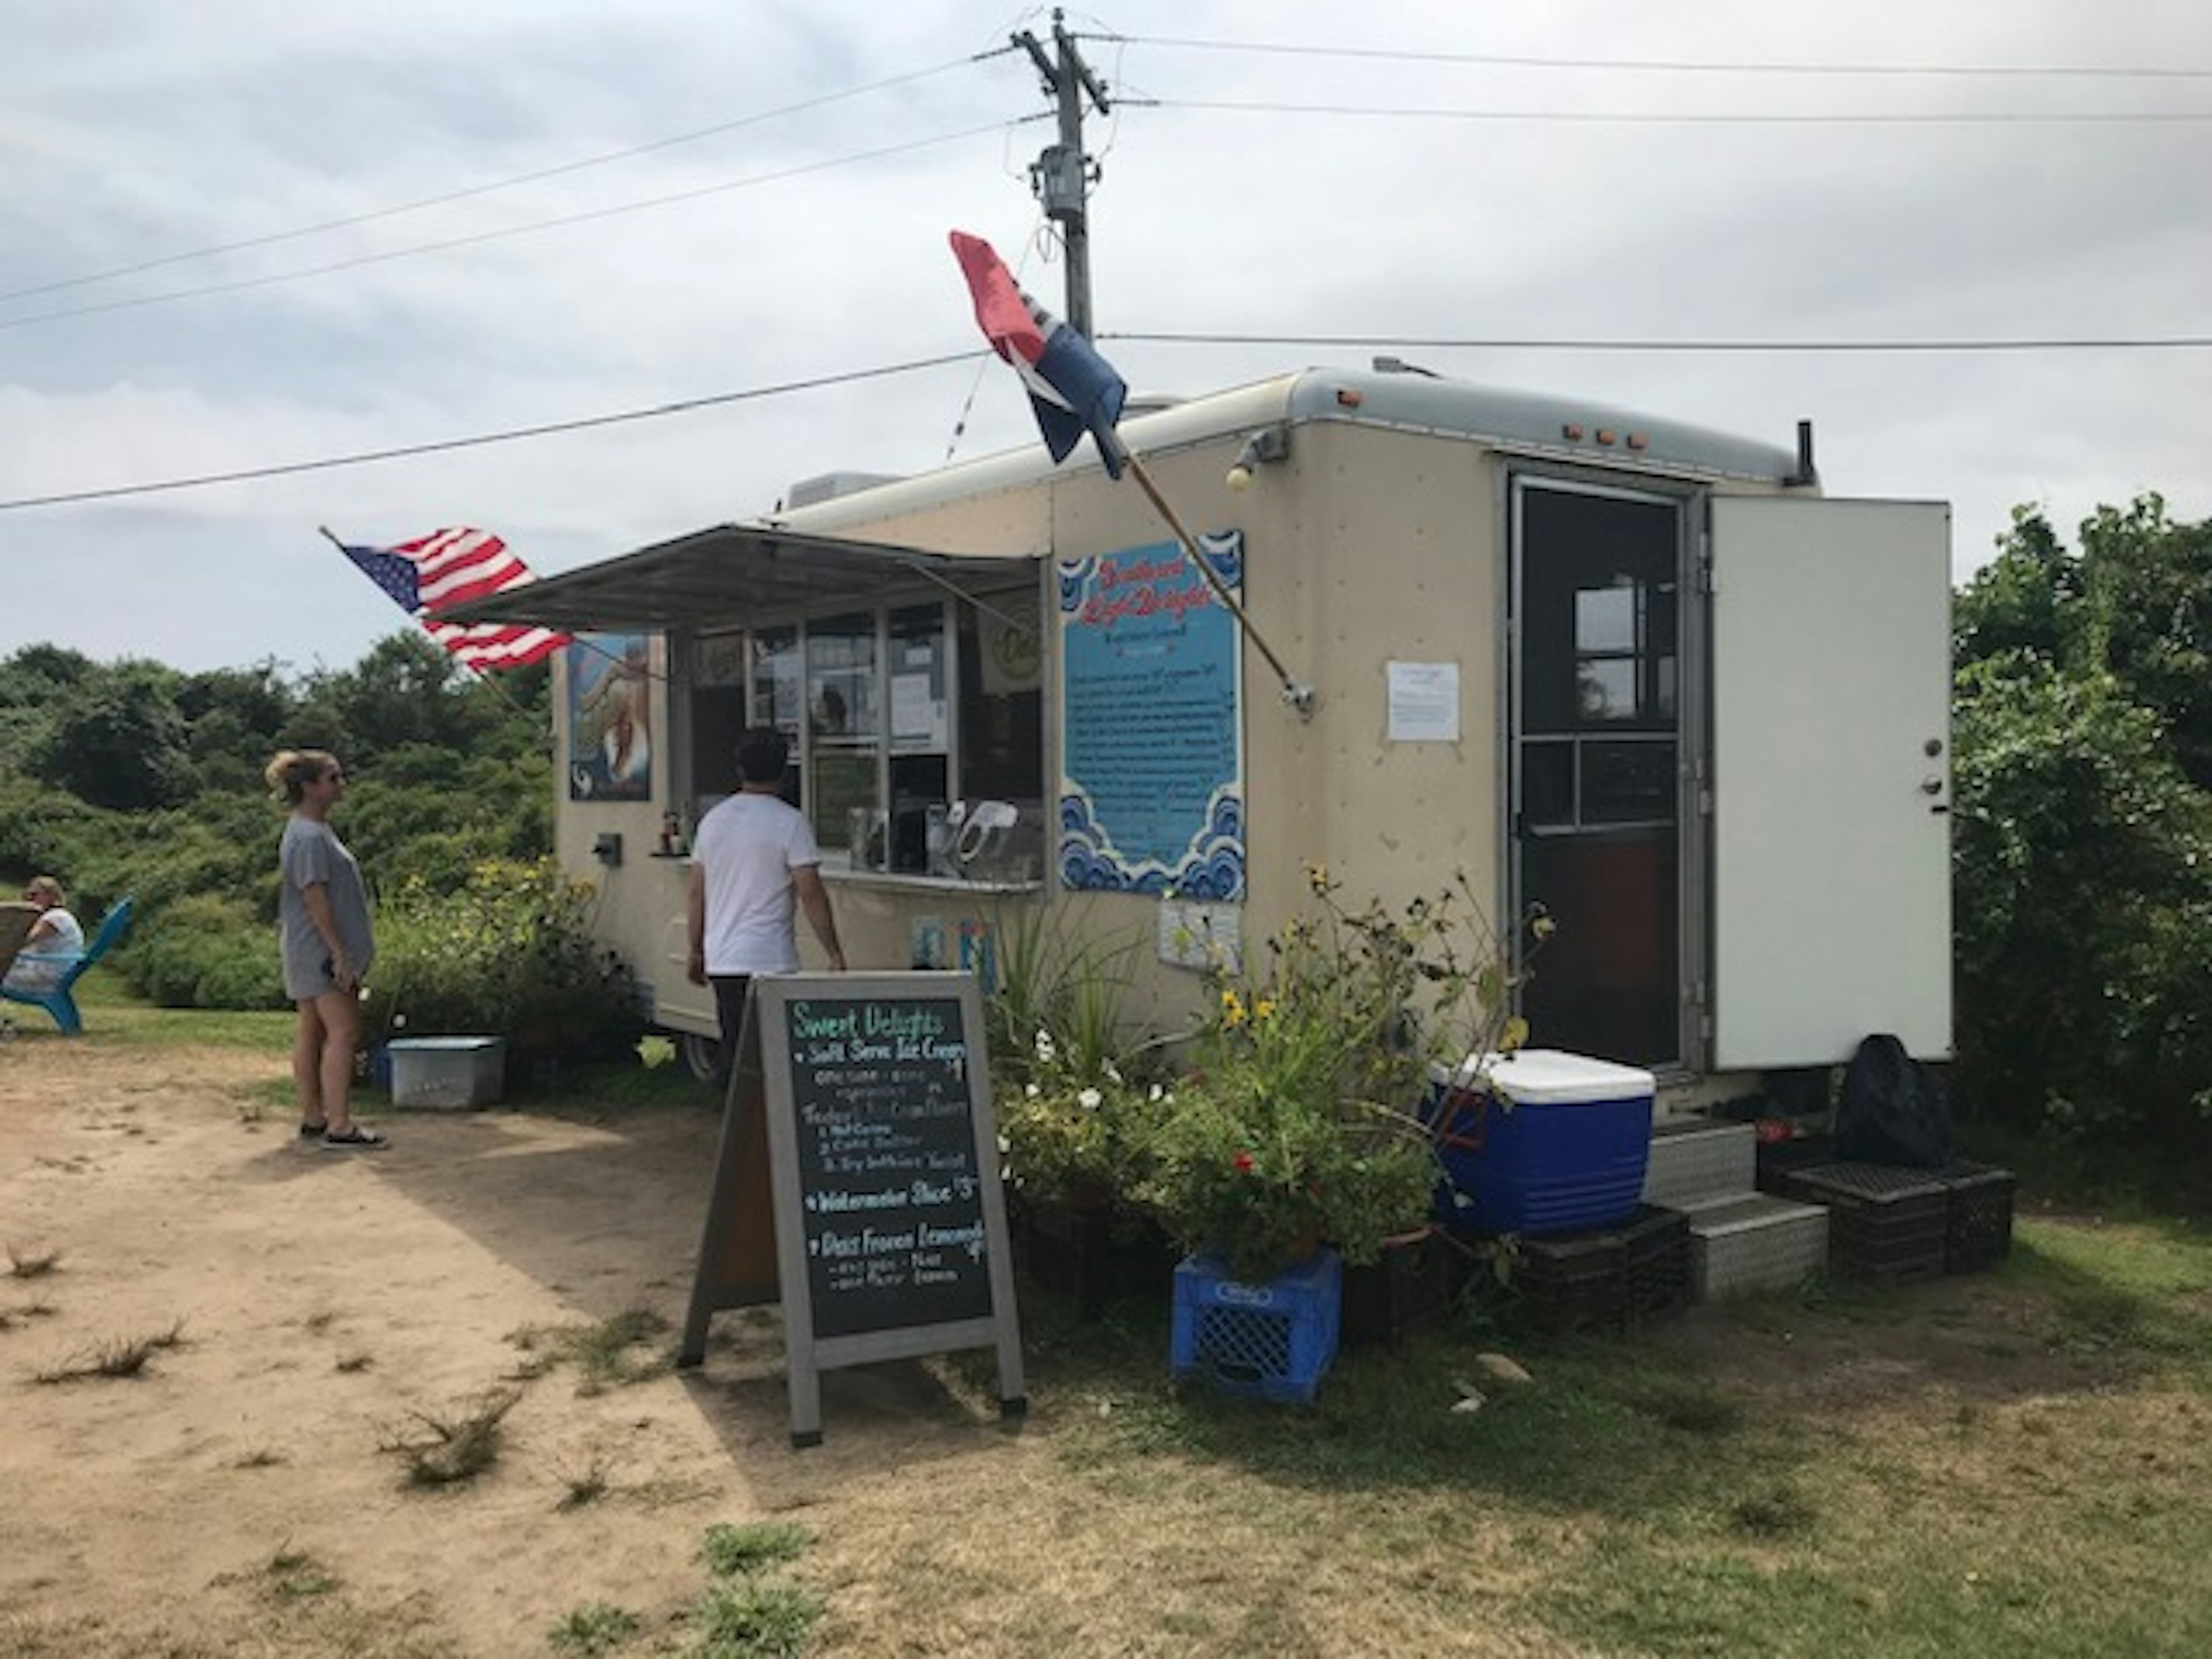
(54, 942)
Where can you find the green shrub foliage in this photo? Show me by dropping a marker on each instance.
(208, 952)
(130, 777)
(508, 952)
(2083, 838)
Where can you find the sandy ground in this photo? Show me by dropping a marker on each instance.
(322, 1298)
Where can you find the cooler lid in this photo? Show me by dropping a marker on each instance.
(1552, 1077)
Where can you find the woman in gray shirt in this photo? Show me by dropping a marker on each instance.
(324, 934)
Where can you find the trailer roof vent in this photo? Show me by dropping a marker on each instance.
(828, 486)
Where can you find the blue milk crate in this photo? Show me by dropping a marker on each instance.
(1273, 1341)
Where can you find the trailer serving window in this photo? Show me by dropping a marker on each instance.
(893, 713)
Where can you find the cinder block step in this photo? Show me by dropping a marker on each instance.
(1742, 1246)
(1700, 1161)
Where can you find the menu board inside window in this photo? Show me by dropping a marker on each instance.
(778, 694)
(718, 711)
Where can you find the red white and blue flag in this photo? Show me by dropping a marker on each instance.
(452, 567)
(1073, 388)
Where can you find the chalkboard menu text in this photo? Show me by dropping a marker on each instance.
(889, 1224)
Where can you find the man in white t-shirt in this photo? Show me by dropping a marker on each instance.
(754, 867)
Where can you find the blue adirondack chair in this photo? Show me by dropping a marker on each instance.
(57, 999)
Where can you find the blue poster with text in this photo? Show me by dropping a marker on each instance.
(1152, 796)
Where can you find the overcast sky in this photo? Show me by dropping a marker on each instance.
(813, 245)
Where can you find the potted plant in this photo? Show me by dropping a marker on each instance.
(1076, 1106)
(1300, 1121)
(1075, 1134)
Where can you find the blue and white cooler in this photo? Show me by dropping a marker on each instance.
(1540, 1141)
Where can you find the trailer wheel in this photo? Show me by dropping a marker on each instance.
(700, 1054)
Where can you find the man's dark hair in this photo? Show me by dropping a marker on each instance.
(762, 754)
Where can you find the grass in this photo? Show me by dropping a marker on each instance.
(445, 1448)
(605, 1354)
(119, 1358)
(751, 1612)
(113, 1014)
(754, 1619)
(596, 1627)
(32, 1261)
(295, 1576)
(585, 1486)
(731, 1549)
(1835, 1470)
(2138, 1294)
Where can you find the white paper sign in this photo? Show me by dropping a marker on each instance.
(1424, 702)
(1201, 936)
(915, 713)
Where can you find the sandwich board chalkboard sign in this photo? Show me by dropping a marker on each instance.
(889, 1224)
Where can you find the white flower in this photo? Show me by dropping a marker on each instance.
(1113, 1073)
(1045, 1051)
(1004, 1146)
(1156, 1093)
(1032, 1090)
(1091, 1100)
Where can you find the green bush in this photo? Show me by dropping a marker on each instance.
(452, 771)
(2083, 904)
(508, 953)
(203, 951)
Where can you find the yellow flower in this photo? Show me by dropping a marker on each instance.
(1317, 878)
(1263, 1008)
(1232, 1008)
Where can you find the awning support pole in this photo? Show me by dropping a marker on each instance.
(1297, 695)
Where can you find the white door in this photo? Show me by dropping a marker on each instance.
(1831, 770)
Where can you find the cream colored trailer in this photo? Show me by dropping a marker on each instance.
(1638, 671)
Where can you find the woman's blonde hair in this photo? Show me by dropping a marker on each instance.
(47, 888)
(294, 769)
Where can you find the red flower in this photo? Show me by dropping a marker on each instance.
(1244, 1162)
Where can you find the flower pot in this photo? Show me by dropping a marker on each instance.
(1413, 1285)
(1099, 1254)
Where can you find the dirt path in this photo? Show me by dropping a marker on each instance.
(232, 1498)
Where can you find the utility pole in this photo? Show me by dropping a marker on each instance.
(1062, 175)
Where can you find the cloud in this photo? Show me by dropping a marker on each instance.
(141, 129)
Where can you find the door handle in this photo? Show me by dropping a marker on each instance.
(1931, 786)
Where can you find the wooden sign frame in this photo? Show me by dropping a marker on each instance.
(961, 1181)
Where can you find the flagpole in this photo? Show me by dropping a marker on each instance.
(1297, 695)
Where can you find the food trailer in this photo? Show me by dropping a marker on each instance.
(1639, 672)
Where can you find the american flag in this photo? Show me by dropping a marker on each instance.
(450, 567)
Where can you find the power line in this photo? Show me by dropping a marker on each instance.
(559, 170)
(1362, 342)
(511, 435)
(1662, 117)
(564, 221)
(1667, 65)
